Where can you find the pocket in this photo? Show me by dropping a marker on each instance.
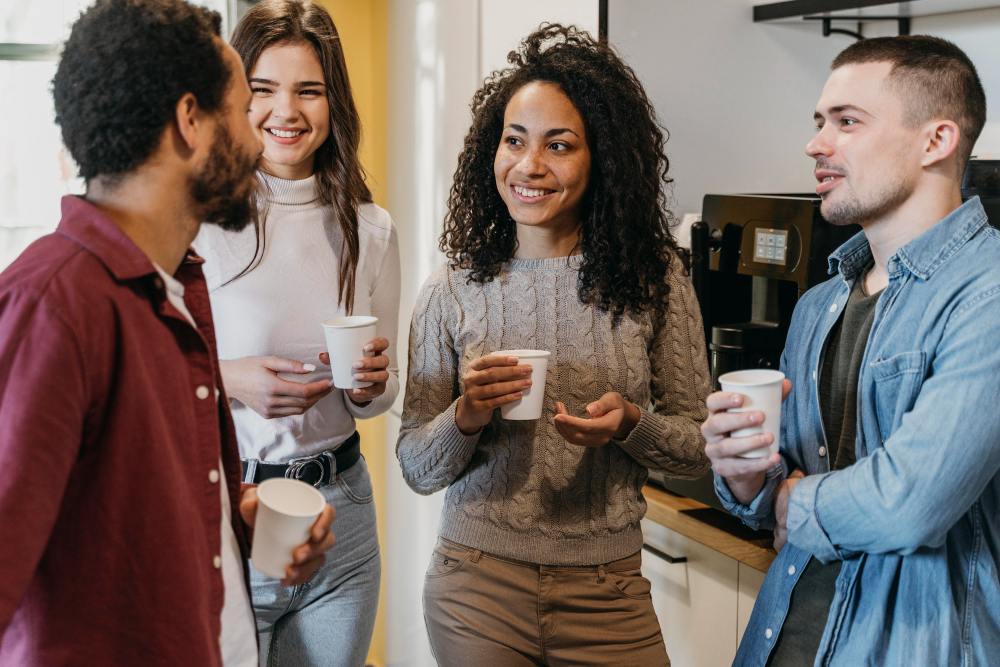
(631, 585)
(356, 483)
(897, 381)
(448, 557)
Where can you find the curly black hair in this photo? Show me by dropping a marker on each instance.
(123, 69)
(625, 234)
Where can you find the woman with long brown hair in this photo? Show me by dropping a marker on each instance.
(319, 249)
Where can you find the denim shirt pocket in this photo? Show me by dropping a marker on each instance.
(897, 381)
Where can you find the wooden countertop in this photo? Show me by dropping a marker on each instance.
(709, 526)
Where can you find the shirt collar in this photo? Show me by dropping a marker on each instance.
(87, 225)
(923, 255)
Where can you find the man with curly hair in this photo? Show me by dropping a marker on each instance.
(883, 496)
(122, 536)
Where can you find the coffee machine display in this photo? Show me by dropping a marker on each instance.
(752, 257)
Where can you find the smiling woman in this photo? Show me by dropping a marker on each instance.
(559, 242)
(320, 250)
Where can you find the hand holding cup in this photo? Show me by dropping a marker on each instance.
(727, 447)
(490, 382)
(291, 528)
(369, 369)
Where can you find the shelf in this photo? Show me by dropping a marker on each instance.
(708, 526)
(861, 10)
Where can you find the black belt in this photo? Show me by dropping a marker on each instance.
(318, 470)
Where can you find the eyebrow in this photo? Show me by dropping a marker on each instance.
(300, 84)
(550, 133)
(842, 108)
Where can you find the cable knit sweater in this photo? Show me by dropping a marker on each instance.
(517, 489)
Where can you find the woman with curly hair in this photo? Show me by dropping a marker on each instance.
(319, 249)
(558, 239)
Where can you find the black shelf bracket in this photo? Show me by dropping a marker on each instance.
(827, 21)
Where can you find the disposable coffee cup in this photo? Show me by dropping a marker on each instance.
(345, 341)
(529, 406)
(286, 510)
(761, 389)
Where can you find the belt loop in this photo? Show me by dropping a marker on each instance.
(251, 471)
(331, 459)
(600, 574)
(476, 555)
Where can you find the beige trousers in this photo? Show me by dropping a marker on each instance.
(486, 611)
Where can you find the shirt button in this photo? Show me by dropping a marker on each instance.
(768, 633)
(213, 476)
(217, 563)
(201, 392)
(158, 282)
(791, 570)
(822, 451)
(833, 307)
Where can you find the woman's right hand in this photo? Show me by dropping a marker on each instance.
(491, 381)
(254, 382)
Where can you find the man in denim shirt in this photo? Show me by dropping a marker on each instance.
(884, 497)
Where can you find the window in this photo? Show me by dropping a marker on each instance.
(35, 169)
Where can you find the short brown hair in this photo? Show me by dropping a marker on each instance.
(934, 77)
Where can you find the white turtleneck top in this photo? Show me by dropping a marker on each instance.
(277, 308)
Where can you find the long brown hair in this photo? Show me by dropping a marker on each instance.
(340, 179)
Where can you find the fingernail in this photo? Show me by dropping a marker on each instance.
(331, 383)
(357, 364)
(308, 368)
(368, 348)
(511, 360)
(736, 400)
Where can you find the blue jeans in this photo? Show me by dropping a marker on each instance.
(329, 619)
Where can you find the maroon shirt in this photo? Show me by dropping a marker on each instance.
(109, 428)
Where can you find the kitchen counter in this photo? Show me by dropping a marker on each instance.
(708, 526)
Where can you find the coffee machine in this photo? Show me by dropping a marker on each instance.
(752, 257)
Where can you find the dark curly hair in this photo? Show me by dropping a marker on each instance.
(123, 69)
(625, 234)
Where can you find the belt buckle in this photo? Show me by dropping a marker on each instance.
(297, 467)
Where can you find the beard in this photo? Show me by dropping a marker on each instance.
(223, 189)
(853, 210)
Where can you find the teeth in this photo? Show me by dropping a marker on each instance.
(528, 192)
(285, 134)
(828, 179)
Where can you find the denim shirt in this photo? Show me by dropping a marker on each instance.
(915, 521)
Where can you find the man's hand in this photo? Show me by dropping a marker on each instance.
(610, 416)
(491, 381)
(307, 557)
(745, 477)
(371, 368)
(254, 382)
(781, 509)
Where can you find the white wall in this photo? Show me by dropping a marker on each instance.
(737, 97)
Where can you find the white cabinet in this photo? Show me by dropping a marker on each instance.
(703, 604)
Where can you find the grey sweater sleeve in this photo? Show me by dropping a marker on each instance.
(432, 452)
(669, 436)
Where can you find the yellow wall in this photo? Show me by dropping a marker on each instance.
(363, 26)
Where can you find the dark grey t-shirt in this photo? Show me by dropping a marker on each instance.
(838, 389)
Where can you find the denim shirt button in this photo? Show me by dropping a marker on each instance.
(791, 570)
(814, 376)
(833, 307)
(822, 451)
(768, 633)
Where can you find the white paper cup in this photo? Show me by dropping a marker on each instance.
(529, 406)
(761, 389)
(345, 342)
(286, 510)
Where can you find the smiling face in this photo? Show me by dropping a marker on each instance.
(868, 156)
(542, 165)
(290, 109)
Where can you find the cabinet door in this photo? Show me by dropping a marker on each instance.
(695, 601)
(749, 587)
